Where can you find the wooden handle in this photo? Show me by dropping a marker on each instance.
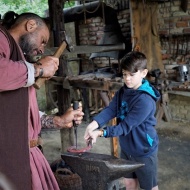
(40, 81)
(60, 49)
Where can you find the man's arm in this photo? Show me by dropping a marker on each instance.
(63, 121)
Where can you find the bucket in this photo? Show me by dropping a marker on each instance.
(67, 180)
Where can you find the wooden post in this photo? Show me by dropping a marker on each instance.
(114, 140)
(58, 28)
(163, 111)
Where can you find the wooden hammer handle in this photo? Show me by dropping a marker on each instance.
(40, 81)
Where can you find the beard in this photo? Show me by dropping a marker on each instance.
(28, 47)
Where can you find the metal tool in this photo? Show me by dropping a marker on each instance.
(75, 107)
(64, 45)
(89, 142)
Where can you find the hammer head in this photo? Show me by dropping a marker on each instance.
(69, 43)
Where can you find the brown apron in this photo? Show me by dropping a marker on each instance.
(14, 148)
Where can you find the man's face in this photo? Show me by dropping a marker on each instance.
(33, 43)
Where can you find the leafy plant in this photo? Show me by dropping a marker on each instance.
(35, 6)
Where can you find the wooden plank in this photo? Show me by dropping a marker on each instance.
(95, 84)
(114, 86)
(114, 142)
(167, 114)
(90, 84)
(170, 66)
(159, 113)
(181, 93)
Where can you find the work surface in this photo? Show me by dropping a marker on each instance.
(174, 152)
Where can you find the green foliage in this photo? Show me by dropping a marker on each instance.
(20, 6)
(69, 4)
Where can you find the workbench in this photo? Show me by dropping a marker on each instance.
(89, 81)
(102, 83)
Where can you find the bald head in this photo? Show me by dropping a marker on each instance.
(29, 16)
(12, 19)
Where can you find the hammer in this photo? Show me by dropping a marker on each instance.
(40, 81)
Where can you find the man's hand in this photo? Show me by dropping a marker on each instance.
(46, 67)
(66, 120)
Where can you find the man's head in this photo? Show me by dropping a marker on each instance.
(134, 69)
(9, 19)
(31, 33)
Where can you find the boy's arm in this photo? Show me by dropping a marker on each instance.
(98, 121)
(107, 113)
(141, 111)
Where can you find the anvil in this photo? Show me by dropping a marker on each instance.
(99, 171)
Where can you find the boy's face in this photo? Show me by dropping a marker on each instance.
(134, 80)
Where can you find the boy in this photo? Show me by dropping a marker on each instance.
(134, 105)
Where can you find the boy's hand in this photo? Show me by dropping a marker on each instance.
(94, 135)
(91, 133)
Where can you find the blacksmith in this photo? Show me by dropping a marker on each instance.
(21, 161)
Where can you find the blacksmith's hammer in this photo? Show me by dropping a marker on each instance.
(40, 81)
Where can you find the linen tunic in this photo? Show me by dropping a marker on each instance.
(14, 76)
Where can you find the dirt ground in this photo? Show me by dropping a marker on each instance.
(174, 152)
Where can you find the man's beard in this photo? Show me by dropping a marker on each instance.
(27, 48)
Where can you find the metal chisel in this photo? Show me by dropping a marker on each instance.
(75, 107)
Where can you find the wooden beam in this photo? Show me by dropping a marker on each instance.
(58, 29)
(114, 140)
